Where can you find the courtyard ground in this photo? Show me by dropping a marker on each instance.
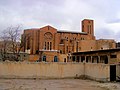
(55, 84)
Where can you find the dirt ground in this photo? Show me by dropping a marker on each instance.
(56, 84)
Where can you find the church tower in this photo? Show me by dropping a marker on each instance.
(88, 26)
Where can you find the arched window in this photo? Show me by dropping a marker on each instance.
(55, 59)
(44, 58)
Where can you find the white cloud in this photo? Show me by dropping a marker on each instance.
(63, 14)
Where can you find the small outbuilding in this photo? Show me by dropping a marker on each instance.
(108, 56)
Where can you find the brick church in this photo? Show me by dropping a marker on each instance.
(51, 45)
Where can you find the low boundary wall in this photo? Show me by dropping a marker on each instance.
(98, 72)
(53, 70)
(40, 70)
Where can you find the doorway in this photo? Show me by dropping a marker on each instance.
(112, 72)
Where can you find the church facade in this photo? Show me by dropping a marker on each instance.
(52, 45)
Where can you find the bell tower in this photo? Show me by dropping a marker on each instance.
(88, 26)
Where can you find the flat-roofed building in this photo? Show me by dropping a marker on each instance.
(107, 56)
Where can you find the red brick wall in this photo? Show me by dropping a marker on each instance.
(64, 41)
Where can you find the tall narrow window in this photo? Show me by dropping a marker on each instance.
(90, 30)
(50, 45)
(47, 45)
(67, 49)
(77, 47)
(28, 43)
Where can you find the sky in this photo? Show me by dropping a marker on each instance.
(63, 15)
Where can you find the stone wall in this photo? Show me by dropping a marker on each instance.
(53, 70)
(99, 72)
(40, 70)
(118, 70)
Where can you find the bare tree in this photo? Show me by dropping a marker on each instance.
(4, 45)
(13, 42)
(10, 40)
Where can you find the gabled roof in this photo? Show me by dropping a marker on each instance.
(41, 28)
(48, 27)
(59, 31)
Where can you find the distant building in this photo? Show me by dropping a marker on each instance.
(21, 56)
(118, 45)
(54, 45)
